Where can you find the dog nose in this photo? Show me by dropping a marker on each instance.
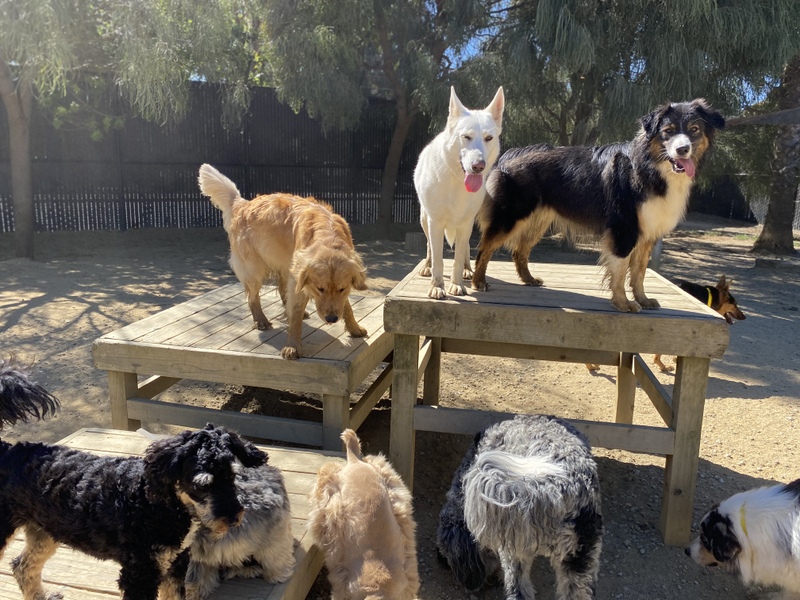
(331, 318)
(478, 166)
(683, 150)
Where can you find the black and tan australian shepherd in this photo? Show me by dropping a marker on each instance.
(629, 195)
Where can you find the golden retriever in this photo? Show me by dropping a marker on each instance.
(361, 517)
(299, 242)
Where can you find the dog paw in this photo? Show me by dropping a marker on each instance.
(626, 305)
(358, 332)
(262, 325)
(456, 289)
(533, 281)
(425, 271)
(480, 285)
(437, 293)
(592, 367)
(649, 303)
(290, 353)
(467, 274)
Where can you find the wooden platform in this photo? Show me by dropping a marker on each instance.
(570, 319)
(211, 338)
(81, 577)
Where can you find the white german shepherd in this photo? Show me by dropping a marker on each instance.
(450, 186)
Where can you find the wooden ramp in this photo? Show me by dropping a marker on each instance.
(81, 577)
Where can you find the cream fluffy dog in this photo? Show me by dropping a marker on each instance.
(299, 242)
(361, 518)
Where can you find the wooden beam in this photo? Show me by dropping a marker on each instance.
(572, 355)
(371, 397)
(651, 386)
(153, 386)
(257, 426)
(633, 438)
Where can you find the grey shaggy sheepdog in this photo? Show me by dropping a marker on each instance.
(528, 487)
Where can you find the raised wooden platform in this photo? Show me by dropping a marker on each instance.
(570, 319)
(211, 338)
(81, 577)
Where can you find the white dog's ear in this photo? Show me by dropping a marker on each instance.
(497, 105)
(457, 110)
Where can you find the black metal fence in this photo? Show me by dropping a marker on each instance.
(146, 176)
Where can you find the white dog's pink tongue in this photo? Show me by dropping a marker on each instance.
(473, 182)
(688, 165)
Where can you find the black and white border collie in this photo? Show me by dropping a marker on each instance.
(629, 195)
(755, 534)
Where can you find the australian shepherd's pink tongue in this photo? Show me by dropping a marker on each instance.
(687, 164)
(473, 181)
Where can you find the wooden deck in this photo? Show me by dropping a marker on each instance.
(570, 319)
(81, 577)
(211, 338)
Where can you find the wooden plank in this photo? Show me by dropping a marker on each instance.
(259, 426)
(165, 317)
(309, 375)
(122, 386)
(633, 438)
(550, 353)
(615, 332)
(688, 401)
(651, 386)
(404, 387)
(430, 368)
(626, 389)
(153, 386)
(81, 577)
(370, 398)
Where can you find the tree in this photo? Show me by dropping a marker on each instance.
(330, 57)
(147, 49)
(589, 69)
(776, 235)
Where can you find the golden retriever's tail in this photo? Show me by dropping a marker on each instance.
(352, 445)
(220, 189)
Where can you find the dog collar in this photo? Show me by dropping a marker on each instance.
(710, 297)
(742, 521)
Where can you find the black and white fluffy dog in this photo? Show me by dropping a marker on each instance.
(528, 487)
(262, 546)
(628, 195)
(755, 534)
(140, 512)
(22, 399)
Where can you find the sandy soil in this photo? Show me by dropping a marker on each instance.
(83, 285)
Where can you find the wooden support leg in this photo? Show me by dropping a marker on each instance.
(122, 386)
(335, 419)
(680, 476)
(430, 384)
(626, 389)
(404, 387)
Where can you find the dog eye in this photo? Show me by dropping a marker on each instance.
(694, 129)
(321, 290)
(488, 138)
(467, 137)
(341, 290)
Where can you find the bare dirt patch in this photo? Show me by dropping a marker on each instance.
(83, 285)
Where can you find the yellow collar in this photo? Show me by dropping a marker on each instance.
(710, 297)
(741, 520)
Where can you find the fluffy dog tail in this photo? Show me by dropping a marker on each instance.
(352, 445)
(220, 189)
(499, 477)
(20, 398)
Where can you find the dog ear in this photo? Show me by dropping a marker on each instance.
(245, 451)
(708, 114)
(650, 121)
(457, 110)
(496, 106)
(359, 275)
(724, 544)
(724, 284)
(166, 462)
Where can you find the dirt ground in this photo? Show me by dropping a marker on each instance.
(83, 285)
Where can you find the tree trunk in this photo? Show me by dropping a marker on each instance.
(776, 235)
(391, 169)
(18, 100)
